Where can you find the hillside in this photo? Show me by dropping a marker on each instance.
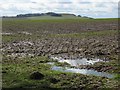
(47, 15)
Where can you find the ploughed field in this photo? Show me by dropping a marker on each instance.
(28, 45)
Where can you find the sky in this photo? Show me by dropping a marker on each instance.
(91, 8)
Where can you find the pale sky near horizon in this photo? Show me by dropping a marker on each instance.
(91, 8)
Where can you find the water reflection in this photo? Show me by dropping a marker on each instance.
(78, 62)
(82, 71)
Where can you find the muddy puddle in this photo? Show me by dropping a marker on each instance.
(77, 63)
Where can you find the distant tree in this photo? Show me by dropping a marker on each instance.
(53, 14)
(79, 16)
(50, 13)
(57, 15)
(29, 15)
(87, 17)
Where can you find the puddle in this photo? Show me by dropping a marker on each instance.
(20, 55)
(77, 62)
(51, 63)
(82, 71)
(6, 33)
(25, 43)
(24, 32)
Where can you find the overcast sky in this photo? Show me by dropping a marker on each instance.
(92, 8)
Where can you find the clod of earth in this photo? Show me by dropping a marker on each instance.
(54, 80)
(36, 75)
(4, 71)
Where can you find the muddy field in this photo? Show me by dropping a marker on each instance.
(69, 39)
(86, 47)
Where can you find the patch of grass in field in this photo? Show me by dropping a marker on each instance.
(54, 19)
(57, 19)
(18, 72)
(20, 37)
(117, 77)
(14, 37)
(87, 34)
(7, 38)
(109, 19)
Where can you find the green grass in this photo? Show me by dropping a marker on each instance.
(117, 77)
(18, 72)
(21, 69)
(87, 34)
(112, 19)
(46, 20)
(14, 37)
(58, 19)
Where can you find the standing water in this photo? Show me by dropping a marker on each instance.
(77, 63)
(82, 71)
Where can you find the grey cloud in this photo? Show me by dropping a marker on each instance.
(65, 2)
(34, 2)
(84, 2)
